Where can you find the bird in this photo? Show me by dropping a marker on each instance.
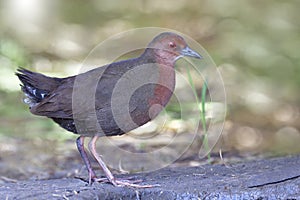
(109, 100)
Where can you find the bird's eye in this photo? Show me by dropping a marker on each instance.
(172, 45)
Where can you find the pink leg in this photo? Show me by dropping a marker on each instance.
(84, 156)
(109, 175)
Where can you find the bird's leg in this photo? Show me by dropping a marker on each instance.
(84, 156)
(109, 175)
(92, 148)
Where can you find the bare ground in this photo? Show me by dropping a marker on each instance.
(277, 178)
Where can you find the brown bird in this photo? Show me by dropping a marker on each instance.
(109, 100)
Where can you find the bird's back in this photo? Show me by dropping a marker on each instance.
(108, 100)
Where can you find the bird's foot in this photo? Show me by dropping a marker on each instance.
(101, 180)
(129, 182)
(106, 180)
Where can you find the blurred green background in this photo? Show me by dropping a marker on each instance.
(254, 43)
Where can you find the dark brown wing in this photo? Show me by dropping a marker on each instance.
(82, 95)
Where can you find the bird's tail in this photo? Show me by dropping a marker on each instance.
(35, 86)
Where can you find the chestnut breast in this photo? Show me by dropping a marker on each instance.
(138, 95)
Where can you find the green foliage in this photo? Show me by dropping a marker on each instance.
(12, 51)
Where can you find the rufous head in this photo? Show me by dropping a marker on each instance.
(171, 46)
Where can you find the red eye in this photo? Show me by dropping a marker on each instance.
(172, 45)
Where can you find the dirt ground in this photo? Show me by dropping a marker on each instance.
(277, 178)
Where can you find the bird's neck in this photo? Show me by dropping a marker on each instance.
(165, 83)
(160, 56)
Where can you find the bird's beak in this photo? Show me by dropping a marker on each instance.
(187, 51)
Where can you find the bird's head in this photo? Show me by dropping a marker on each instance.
(170, 46)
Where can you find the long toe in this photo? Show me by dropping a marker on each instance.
(101, 180)
(129, 183)
(105, 180)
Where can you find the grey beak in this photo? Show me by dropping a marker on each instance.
(187, 51)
